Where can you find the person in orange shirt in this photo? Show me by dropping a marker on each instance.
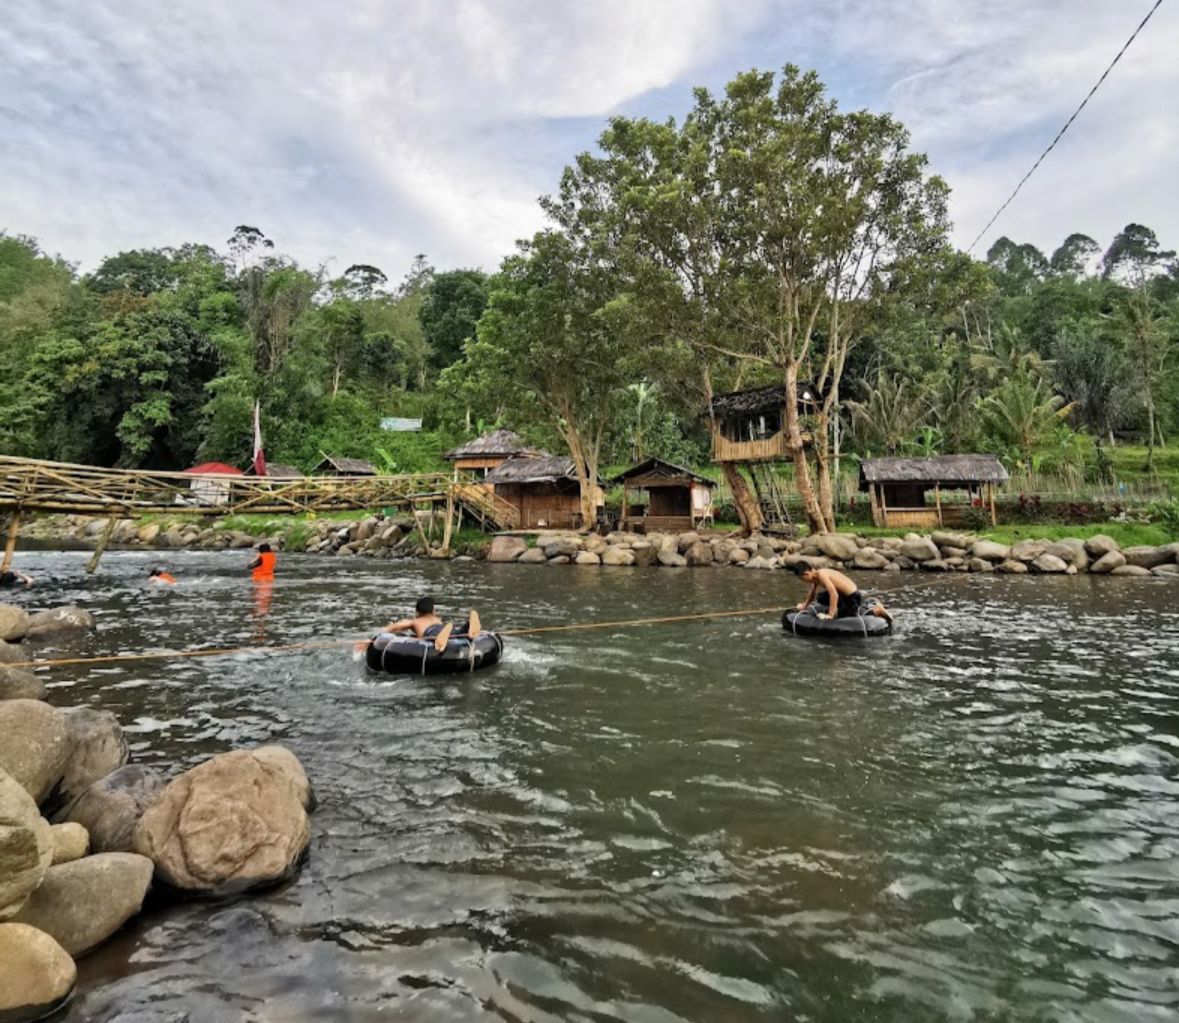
(158, 577)
(262, 566)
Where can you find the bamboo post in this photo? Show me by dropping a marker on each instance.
(991, 493)
(417, 520)
(96, 557)
(937, 499)
(875, 505)
(883, 507)
(10, 543)
(449, 521)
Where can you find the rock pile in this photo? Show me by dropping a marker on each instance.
(237, 821)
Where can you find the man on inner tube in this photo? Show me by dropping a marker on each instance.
(427, 625)
(829, 588)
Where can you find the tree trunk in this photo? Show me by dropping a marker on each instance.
(802, 469)
(1149, 432)
(748, 510)
(587, 475)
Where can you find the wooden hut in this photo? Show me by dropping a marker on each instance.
(481, 455)
(677, 499)
(901, 489)
(333, 465)
(212, 482)
(750, 426)
(544, 491)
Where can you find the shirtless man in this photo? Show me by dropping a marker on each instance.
(427, 625)
(13, 578)
(832, 589)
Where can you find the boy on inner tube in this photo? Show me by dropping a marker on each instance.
(427, 625)
(829, 588)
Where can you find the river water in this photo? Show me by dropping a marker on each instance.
(973, 819)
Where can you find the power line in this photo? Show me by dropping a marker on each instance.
(1067, 124)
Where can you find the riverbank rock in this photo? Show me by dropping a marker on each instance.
(110, 809)
(35, 745)
(644, 553)
(1147, 557)
(282, 761)
(97, 747)
(506, 548)
(870, 559)
(979, 565)
(617, 556)
(37, 977)
(14, 623)
(919, 548)
(840, 546)
(70, 842)
(1170, 571)
(668, 558)
(1011, 567)
(81, 904)
(698, 554)
(958, 541)
(1071, 552)
(1131, 570)
(738, 556)
(1107, 563)
(20, 685)
(988, 550)
(759, 562)
(561, 546)
(532, 556)
(1028, 550)
(587, 558)
(147, 534)
(233, 823)
(59, 621)
(10, 653)
(1049, 564)
(1100, 545)
(26, 846)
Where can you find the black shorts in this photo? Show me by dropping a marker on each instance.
(849, 603)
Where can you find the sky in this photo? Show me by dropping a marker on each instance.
(367, 131)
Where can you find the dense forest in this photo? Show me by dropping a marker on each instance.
(765, 237)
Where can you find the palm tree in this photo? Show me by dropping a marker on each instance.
(1022, 413)
(891, 415)
(643, 393)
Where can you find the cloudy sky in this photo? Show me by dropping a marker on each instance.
(371, 130)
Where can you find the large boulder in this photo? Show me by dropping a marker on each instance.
(587, 558)
(668, 558)
(35, 745)
(20, 685)
(82, 903)
(1107, 563)
(59, 621)
(26, 846)
(738, 556)
(97, 747)
(699, 554)
(14, 623)
(617, 556)
(1011, 567)
(37, 975)
(1071, 552)
(1166, 571)
(945, 539)
(868, 558)
(759, 562)
(70, 842)
(1147, 557)
(988, 550)
(838, 546)
(1028, 550)
(685, 540)
(919, 548)
(111, 807)
(1049, 564)
(979, 565)
(1131, 570)
(506, 548)
(233, 823)
(10, 653)
(644, 553)
(1100, 545)
(562, 546)
(532, 556)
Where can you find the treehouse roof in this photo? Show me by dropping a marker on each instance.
(951, 470)
(757, 400)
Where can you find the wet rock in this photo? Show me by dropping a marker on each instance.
(97, 747)
(644, 553)
(506, 548)
(617, 556)
(698, 554)
(685, 540)
(82, 903)
(1028, 550)
(946, 539)
(721, 549)
(70, 842)
(950, 553)
(561, 559)
(868, 558)
(979, 565)
(10, 653)
(59, 621)
(934, 565)
(587, 558)
(890, 543)
(110, 809)
(919, 548)
(1049, 564)
(595, 544)
(14, 623)
(1100, 545)
(1071, 552)
(1107, 563)
(758, 562)
(148, 534)
(532, 556)
(738, 556)
(20, 685)
(892, 566)
(124, 532)
(37, 977)
(26, 846)
(564, 545)
(904, 564)
(35, 745)
(840, 546)
(1166, 571)
(1147, 557)
(668, 558)
(1131, 570)
(1011, 567)
(232, 823)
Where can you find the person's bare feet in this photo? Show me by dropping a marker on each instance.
(443, 637)
(474, 626)
(880, 611)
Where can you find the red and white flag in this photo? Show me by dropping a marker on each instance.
(259, 456)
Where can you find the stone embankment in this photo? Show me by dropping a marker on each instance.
(391, 538)
(85, 835)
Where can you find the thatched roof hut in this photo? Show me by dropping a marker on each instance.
(544, 490)
(898, 488)
(485, 453)
(333, 465)
(677, 498)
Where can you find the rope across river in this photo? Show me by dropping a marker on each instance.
(323, 644)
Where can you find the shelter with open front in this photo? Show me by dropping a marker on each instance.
(942, 490)
(544, 491)
(657, 495)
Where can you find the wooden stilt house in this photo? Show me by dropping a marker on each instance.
(544, 491)
(657, 495)
(944, 490)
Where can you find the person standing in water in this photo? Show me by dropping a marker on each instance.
(262, 567)
(427, 625)
(834, 592)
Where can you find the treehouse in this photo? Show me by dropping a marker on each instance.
(483, 454)
(945, 490)
(544, 490)
(657, 495)
(750, 426)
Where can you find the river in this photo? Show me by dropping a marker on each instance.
(973, 819)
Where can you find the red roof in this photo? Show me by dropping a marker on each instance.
(214, 469)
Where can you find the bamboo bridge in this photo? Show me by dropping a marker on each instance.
(30, 486)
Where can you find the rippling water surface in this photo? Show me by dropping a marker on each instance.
(974, 819)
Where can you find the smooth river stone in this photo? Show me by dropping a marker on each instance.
(1107, 563)
(111, 807)
(14, 623)
(97, 747)
(37, 975)
(59, 621)
(35, 745)
(1099, 545)
(70, 842)
(26, 846)
(16, 684)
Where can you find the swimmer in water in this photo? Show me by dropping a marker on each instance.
(11, 578)
(427, 625)
(158, 577)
